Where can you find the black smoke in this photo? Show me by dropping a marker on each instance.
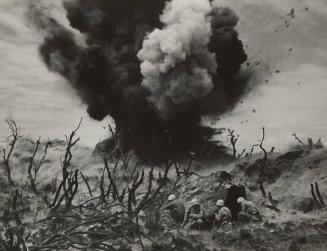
(107, 71)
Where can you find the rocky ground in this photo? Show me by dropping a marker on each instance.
(292, 220)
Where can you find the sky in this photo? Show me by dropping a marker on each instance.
(41, 102)
(287, 53)
(289, 58)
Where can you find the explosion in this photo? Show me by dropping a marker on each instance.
(176, 62)
(155, 67)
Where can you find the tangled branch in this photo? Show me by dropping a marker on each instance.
(11, 140)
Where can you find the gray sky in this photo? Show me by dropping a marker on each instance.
(41, 101)
(293, 100)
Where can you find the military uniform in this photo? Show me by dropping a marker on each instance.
(249, 212)
(176, 211)
(223, 219)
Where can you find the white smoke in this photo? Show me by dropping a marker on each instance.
(176, 63)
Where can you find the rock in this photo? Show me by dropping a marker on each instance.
(289, 227)
(245, 234)
(186, 243)
(182, 242)
(302, 240)
(294, 246)
(195, 191)
(244, 217)
(264, 170)
(104, 146)
(271, 174)
(303, 204)
(323, 226)
(228, 239)
(160, 247)
(254, 169)
(122, 249)
(179, 242)
(225, 176)
(270, 225)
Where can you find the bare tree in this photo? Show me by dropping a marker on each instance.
(265, 157)
(31, 164)
(298, 139)
(69, 182)
(317, 198)
(263, 191)
(85, 179)
(241, 154)
(310, 143)
(14, 238)
(34, 166)
(252, 149)
(132, 191)
(115, 190)
(123, 223)
(11, 140)
(314, 196)
(177, 169)
(233, 140)
(319, 195)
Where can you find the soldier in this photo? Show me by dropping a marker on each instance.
(194, 215)
(223, 216)
(176, 209)
(249, 211)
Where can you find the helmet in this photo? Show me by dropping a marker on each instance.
(220, 203)
(194, 201)
(240, 199)
(171, 197)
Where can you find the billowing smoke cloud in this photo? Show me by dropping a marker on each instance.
(154, 67)
(225, 43)
(59, 48)
(176, 62)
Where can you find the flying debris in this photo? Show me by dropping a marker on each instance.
(291, 14)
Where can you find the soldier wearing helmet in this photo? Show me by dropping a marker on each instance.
(249, 211)
(223, 216)
(194, 215)
(176, 209)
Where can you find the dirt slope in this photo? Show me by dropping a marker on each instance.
(294, 221)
